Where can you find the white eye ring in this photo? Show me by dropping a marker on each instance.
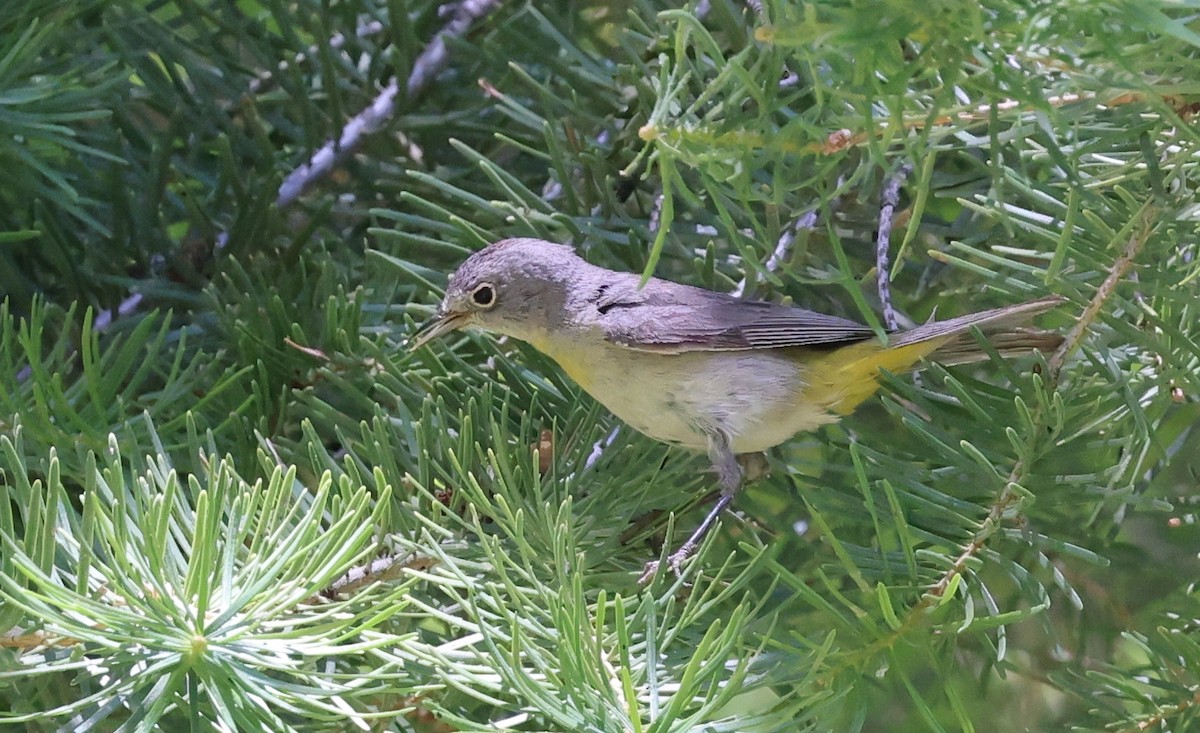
(484, 295)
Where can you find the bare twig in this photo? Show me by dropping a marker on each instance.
(384, 568)
(890, 197)
(783, 248)
(25, 641)
(431, 61)
(364, 123)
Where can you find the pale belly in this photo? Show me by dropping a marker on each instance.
(755, 398)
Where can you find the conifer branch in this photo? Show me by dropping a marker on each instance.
(1161, 718)
(1116, 274)
(992, 522)
(1011, 494)
(927, 548)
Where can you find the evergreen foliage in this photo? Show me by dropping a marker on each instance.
(210, 424)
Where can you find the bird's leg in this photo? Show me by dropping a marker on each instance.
(729, 474)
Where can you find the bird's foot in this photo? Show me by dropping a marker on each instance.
(648, 572)
(675, 561)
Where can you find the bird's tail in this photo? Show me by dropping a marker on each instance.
(1001, 326)
(850, 375)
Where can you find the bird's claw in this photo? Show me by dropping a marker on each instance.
(648, 573)
(675, 561)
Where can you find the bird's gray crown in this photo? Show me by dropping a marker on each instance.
(512, 260)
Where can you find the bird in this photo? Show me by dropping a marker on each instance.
(703, 370)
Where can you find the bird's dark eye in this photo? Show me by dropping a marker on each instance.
(484, 295)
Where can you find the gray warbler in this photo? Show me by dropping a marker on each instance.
(698, 369)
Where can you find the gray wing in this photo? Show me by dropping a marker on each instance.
(669, 317)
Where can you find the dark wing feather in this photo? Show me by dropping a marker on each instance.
(668, 317)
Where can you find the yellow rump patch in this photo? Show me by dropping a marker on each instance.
(844, 378)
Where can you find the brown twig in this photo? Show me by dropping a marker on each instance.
(1116, 273)
(843, 139)
(28, 641)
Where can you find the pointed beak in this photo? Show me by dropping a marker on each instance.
(439, 326)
